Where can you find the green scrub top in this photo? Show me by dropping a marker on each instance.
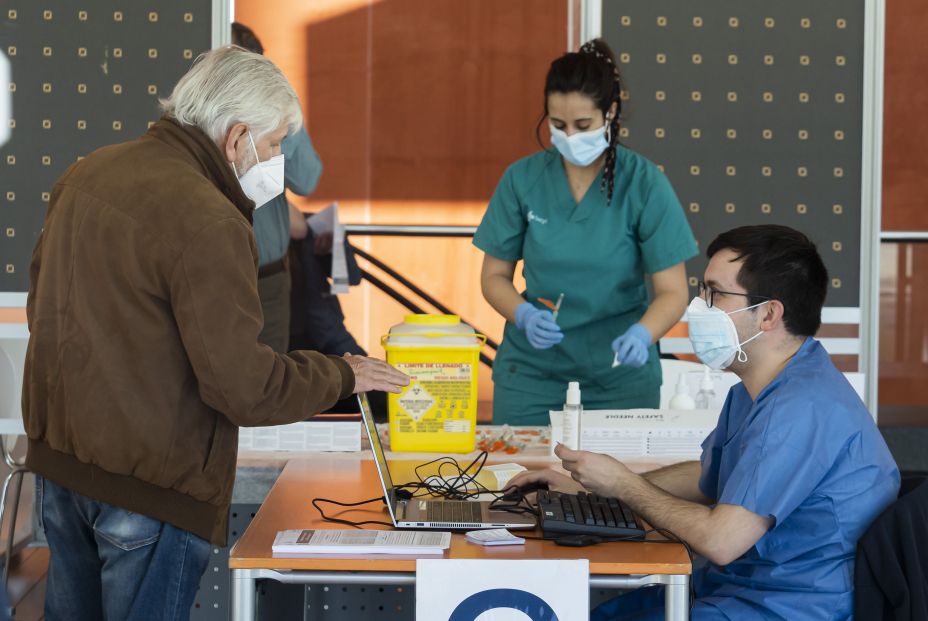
(597, 255)
(302, 169)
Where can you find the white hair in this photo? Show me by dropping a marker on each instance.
(231, 85)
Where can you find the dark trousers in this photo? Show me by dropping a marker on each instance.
(274, 292)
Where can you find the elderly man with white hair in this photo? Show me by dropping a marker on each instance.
(143, 359)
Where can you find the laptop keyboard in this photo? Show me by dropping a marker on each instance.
(584, 513)
(459, 511)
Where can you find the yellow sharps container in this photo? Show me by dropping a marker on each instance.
(438, 410)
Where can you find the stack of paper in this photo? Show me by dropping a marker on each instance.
(493, 537)
(326, 222)
(351, 541)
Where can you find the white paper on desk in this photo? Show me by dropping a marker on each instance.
(497, 590)
(327, 222)
(345, 541)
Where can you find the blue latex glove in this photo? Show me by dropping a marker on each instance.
(631, 349)
(539, 326)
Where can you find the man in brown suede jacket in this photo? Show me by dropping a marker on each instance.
(143, 359)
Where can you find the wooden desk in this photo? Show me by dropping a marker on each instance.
(616, 565)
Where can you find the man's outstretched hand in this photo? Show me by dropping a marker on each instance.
(374, 374)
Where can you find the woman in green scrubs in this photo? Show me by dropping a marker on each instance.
(589, 219)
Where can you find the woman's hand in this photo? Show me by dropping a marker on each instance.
(631, 349)
(540, 328)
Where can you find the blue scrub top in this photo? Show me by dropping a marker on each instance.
(302, 169)
(597, 254)
(808, 454)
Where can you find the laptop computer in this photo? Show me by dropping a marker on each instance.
(434, 513)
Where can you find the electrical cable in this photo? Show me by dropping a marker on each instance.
(316, 501)
(452, 488)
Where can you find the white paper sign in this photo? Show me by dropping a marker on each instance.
(6, 100)
(488, 590)
(327, 222)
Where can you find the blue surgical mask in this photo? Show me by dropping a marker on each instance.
(714, 336)
(582, 148)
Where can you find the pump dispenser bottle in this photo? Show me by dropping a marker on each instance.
(573, 409)
(706, 394)
(682, 399)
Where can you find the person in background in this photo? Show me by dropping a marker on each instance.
(795, 470)
(278, 221)
(143, 358)
(590, 220)
(299, 311)
(316, 318)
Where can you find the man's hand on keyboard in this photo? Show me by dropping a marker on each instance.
(556, 481)
(596, 472)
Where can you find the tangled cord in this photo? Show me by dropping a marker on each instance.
(460, 484)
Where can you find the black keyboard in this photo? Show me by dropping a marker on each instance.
(459, 511)
(586, 514)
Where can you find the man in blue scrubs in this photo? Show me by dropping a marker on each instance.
(794, 472)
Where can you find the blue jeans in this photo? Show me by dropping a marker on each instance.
(109, 563)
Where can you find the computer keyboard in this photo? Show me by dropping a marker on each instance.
(586, 514)
(459, 511)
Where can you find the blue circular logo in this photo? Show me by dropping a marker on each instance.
(536, 608)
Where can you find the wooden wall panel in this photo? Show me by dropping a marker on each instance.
(905, 114)
(904, 269)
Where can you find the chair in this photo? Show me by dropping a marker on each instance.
(891, 572)
(12, 356)
(10, 427)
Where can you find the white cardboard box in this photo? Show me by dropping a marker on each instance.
(315, 436)
(647, 433)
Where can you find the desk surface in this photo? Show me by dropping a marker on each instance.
(288, 507)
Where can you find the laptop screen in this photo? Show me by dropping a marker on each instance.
(376, 447)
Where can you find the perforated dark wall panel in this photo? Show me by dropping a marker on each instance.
(754, 110)
(86, 73)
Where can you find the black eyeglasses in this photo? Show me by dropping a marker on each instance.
(708, 293)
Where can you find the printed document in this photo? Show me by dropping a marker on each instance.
(351, 541)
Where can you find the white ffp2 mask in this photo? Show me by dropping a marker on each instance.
(264, 180)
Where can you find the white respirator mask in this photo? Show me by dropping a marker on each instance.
(264, 180)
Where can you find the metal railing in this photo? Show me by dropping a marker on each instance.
(904, 237)
(402, 230)
(406, 230)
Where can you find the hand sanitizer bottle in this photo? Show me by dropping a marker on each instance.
(706, 394)
(682, 400)
(572, 411)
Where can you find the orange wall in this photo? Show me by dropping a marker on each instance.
(416, 108)
(905, 132)
(903, 322)
(12, 315)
